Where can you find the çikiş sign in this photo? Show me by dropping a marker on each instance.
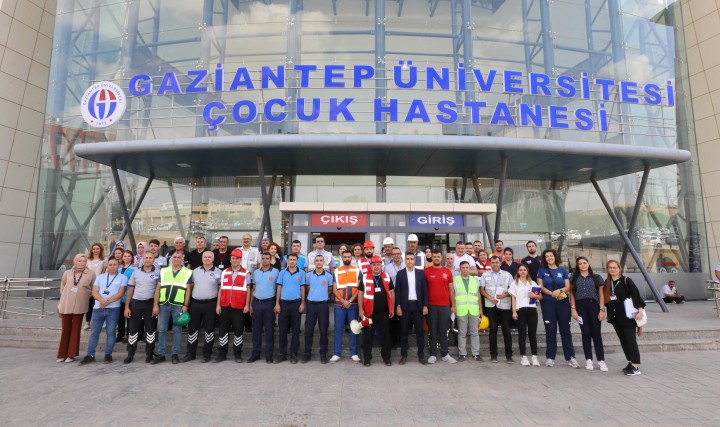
(435, 220)
(536, 98)
(338, 220)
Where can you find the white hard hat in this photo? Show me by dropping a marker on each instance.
(388, 241)
(355, 327)
(412, 238)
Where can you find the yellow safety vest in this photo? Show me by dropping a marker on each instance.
(467, 301)
(173, 287)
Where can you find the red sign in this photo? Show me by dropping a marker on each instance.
(339, 220)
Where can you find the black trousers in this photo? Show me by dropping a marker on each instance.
(527, 326)
(412, 316)
(379, 323)
(202, 314)
(438, 325)
(316, 312)
(676, 300)
(591, 328)
(122, 324)
(234, 317)
(263, 317)
(289, 318)
(141, 315)
(628, 341)
(88, 314)
(499, 317)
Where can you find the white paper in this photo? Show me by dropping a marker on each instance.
(630, 310)
(498, 291)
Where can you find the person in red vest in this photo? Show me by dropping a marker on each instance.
(232, 304)
(364, 262)
(376, 300)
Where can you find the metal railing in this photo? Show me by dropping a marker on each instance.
(10, 285)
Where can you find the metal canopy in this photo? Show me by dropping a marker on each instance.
(398, 155)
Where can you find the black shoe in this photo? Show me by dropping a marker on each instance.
(628, 366)
(403, 359)
(158, 359)
(388, 363)
(205, 359)
(423, 361)
(238, 359)
(293, 358)
(248, 329)
(323, 360)
(305, 359)
(509, 360)
(478, 358)
(220, 358)
(87, 359)
(269, 360)
(253, 359)
(175, 359)
(148, 358)
(128, 359)
(461, 358)
(108, 359)
(119, 340)
(186, 358)
(493, 359)
(632, 371)
(366, 363)
(282, 358)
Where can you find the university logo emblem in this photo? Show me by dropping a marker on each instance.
(103, 104)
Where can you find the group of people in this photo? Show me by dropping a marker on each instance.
(389, 293)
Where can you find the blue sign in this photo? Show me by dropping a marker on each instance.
(435, 220)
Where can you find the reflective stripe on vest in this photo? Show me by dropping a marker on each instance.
(173, 287)
(467, 301)
(347, 281)
(233, 293)
(369, 293)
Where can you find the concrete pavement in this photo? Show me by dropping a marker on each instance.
(676, 388)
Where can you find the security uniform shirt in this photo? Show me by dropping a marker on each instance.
(206, 283)
(264, 283)
(380, 304)
(290, 283)
(144, 283)
(318, 285)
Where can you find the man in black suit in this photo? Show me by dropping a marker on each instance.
(411, 304)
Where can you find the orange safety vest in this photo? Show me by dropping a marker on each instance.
(347, 280)
(233, 293)
(369, 293)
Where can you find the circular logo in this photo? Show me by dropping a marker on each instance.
(103, 104)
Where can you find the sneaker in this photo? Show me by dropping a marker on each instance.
(573, 363)
(628, 366)
(293, 358)
(108, 359)
(449, 359)
(70, 360)
(335, 358)
(477, 358)
(535, 361)
(509, 360)
(87, 359)
(589, 365)
(603, 366)
(355, 358)
(524, 361)
(550, 363)
(432, 359)
(634, 370)
(493, 359)
(461, 358)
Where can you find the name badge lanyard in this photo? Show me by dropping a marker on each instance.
(614, 285)
(108, 282)
(377, 284)
(76, 281)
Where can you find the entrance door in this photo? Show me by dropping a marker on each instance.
(334, 240)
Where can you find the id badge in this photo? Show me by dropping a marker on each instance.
(73, 290)
(613, 297)
(221, 266)
(377, 289)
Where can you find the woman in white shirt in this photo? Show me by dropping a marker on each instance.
(525, 293)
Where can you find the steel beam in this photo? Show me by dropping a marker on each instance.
(85, 223)
(178, 218)
(136, 208)
(501, 197)
(266, 220)
(629, 246)
(265, 200)
(636, 211)
(380, 65)
(123, 205)
(487, 232)
(68, 209)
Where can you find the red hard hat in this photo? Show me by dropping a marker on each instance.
(376, 259)
(237, 252)
(369, 244)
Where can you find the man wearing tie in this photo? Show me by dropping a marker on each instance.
(411, 305)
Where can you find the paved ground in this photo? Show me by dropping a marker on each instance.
(36, 391)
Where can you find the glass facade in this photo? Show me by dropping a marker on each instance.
(639, 41)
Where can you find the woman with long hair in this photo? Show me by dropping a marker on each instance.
(555, 283)
(75, 294)
(616, 290)
(96, 262)
(127, 267)
(356, 254)
(275, 255)
(586, 302)
(525, 293)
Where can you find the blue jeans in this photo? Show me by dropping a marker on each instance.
(166, 312)
(341, 316)
(109, 316)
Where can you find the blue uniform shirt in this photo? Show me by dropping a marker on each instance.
(318, 285)
(109, 286)
(302, 260)
(291, 283)
(264, 283)
(553, 278)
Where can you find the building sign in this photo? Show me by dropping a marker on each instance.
(103, 104)
(538, 100)
(435, 220)
(339, 220)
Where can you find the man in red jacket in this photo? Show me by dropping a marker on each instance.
(232, 304)
(376, 300)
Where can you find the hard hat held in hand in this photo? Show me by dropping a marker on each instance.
(183, 319)
(484, 323)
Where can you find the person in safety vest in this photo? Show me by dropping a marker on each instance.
(232, 304)
(172, 298)
(495, 285)
(364, 262)
(345, 289)
(376, 300)
(467, 311)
